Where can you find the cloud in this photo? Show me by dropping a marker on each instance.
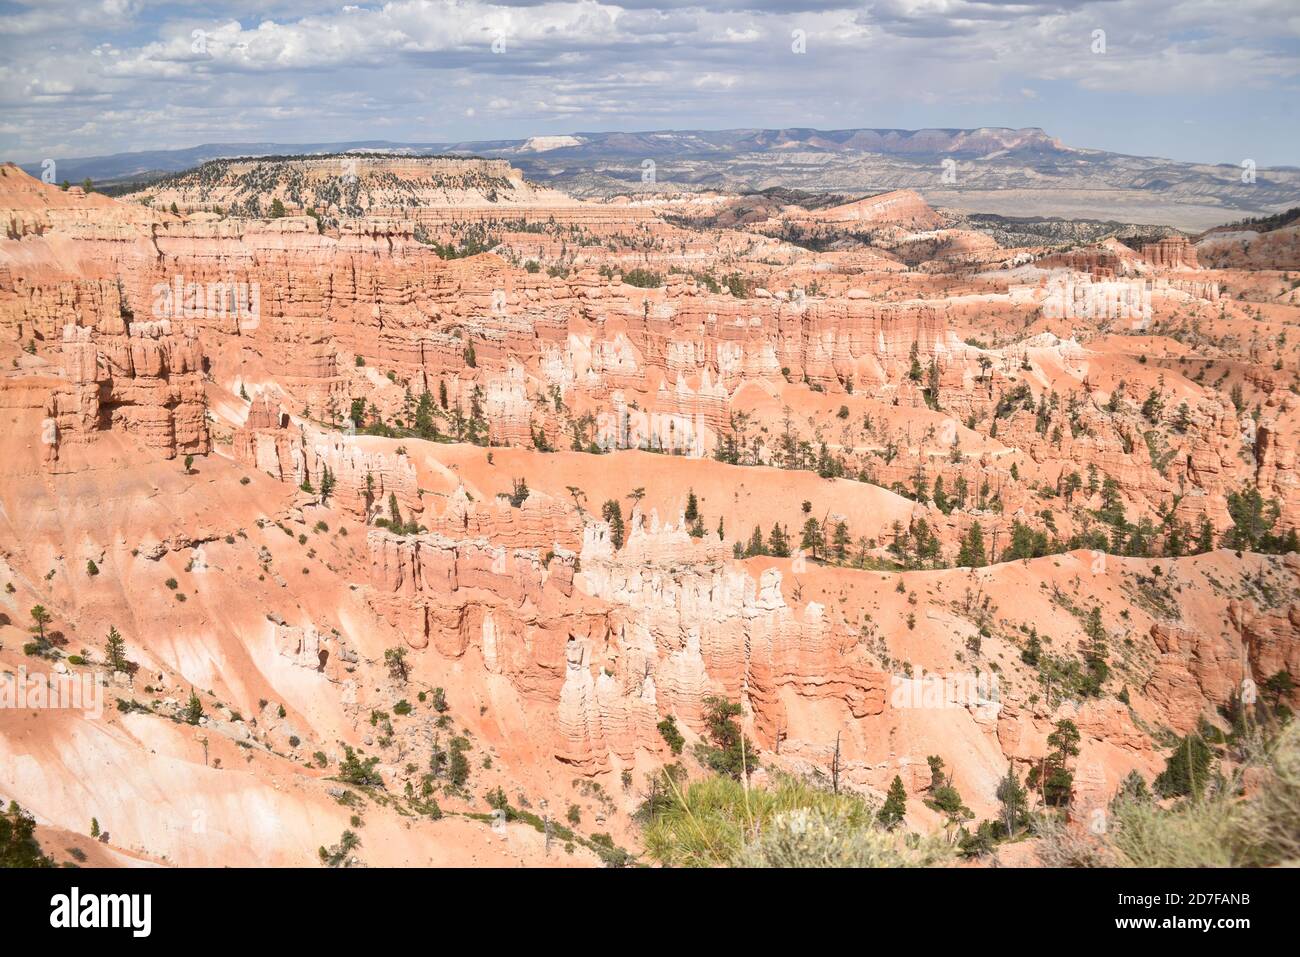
(292, 70)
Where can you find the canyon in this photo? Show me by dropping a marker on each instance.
(387, 465)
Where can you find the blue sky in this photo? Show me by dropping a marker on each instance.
(1201, 80)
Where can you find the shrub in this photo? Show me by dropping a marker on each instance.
(340, 855)
(359, 770)
(18, 845)
(671, 735)
(193, 709)
(731, 753)
(643, 278)
(718, 822)
(1187, 770)
(811, 837)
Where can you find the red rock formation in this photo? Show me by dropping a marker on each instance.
(363, 481)
(1172, 252)
(127, 328)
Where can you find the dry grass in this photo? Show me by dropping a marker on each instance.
(717, 822)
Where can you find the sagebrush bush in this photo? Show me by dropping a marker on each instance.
(817, 837)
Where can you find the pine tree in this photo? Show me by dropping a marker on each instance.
(756, 546)
(961, 488)
(778, 544)
(1153, 406)
(811, 541)
(1205, 537)
(425, 427)
(1033, 648)
(932, 384)
(1024, 544)
(398, 667)
(1058, 786)
(1279, 685)
(115, 650)
(1133, 788)
(1176, 539)
(1095, 657)
(18, 844)
(612, 513)
(194, 709)
(971, 553)
(1252, 519)
(941, 497)
(895, 806)
(1072, 484)
(1013, 799)
(1187, 770)
(41, 617)
(692, 507)
(519, 494)
(936, 772)
(326, 483)
(731, 753)
(840, 541)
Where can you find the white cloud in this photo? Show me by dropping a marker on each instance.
(310, 71)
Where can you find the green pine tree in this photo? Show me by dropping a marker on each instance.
(115, 650)
(1187, 770)
(692, 507)
(1014, 801)
(612, 513)
(971, 553)
(895, 806)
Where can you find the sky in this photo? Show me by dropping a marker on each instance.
(1195, 80)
